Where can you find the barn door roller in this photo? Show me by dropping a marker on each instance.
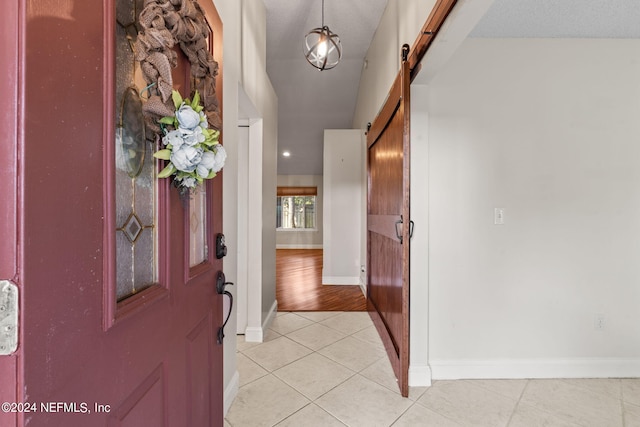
(8, 317)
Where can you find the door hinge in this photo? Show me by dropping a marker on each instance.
(8, 317)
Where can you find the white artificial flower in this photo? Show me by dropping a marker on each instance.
(192, 137)
(220, 157)
(187, 158)
(174, 138)
(206, 164)
(187, 117)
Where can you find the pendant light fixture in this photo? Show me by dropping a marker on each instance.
(322, 48)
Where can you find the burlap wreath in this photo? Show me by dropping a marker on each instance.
(164, 24)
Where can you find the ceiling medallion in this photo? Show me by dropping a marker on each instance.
(322, 47)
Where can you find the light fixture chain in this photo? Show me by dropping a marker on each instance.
(322, 13)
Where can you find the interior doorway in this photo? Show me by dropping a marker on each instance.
(249, 193)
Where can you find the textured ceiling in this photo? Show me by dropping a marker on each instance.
(309, 100)
(561, 19)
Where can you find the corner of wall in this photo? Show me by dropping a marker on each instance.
(231, 391)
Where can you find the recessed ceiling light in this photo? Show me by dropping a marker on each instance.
(286, 154)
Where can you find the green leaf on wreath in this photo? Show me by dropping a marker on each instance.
(211, 175)
(167, 120)
(162, 154)
(168, 171)
(177, 99)
(196, 101)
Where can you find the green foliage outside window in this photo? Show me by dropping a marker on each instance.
(296, 212)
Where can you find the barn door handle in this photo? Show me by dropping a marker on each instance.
(221, 283)
(399, 230)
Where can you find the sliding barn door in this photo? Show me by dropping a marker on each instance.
(388, 224)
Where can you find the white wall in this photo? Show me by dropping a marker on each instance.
(401, 23)
(419, 370)
(343, 190)
(244, 26)
(262, 160)
(302, 239)
(549, 131)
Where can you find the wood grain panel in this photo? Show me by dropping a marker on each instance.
(388, 202)
(384, 225)
(385, 285)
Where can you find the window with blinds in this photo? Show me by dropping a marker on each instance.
(296, 208)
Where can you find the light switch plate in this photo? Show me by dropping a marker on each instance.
(498, 216)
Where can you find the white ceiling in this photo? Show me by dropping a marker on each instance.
(309, 100)
(560, 19)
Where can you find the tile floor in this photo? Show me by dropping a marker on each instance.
(324, 369)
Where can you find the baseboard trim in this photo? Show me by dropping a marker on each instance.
(298, 246)
(535, 368)
(363, 287)
(419, 376)
(253, 334)
(341, 280)
(231, 391)
(256, 334)
(273, 311)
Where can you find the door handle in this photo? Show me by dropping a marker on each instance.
(399, 230)
(221, 283)
(400, 222)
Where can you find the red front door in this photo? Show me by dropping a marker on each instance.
(100, 344)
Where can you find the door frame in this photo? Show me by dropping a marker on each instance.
(249, 290)
(10, 87)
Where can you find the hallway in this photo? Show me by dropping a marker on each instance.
(299, 284)
(330, 369)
